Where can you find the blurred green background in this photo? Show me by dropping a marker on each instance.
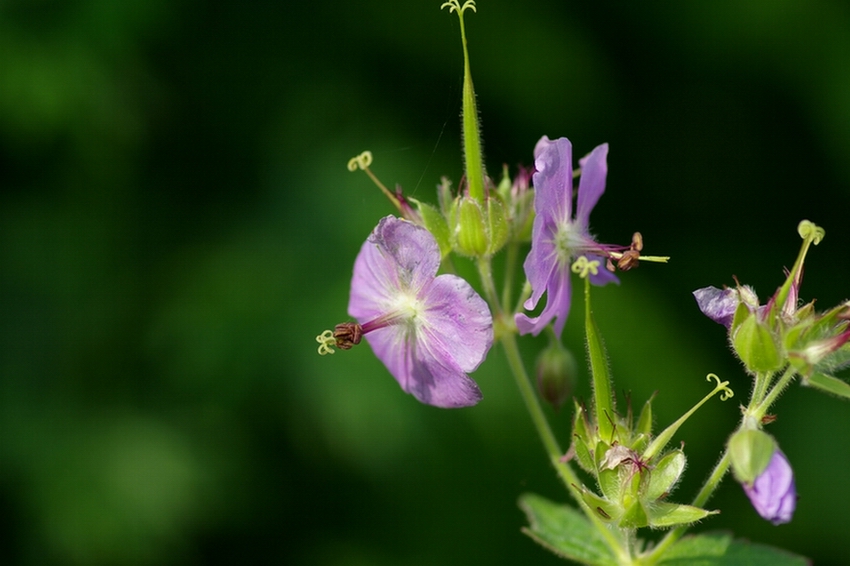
(177, 225)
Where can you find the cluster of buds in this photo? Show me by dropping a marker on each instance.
(767, 338)
(634, 471)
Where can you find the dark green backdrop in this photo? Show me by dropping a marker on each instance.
(177, 224)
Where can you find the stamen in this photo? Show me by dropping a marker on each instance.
(631, 258)
(343, 336)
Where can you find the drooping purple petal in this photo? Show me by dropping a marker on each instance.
(591, 184)
(557, 307)
(718, 304)
(773, 494)
(431, 330)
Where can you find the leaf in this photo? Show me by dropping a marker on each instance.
(564, 530)
(719, 549)
(829, 384)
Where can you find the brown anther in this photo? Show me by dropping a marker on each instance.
(637, 242)
(347, 334)
(767, 419)
(629, 260)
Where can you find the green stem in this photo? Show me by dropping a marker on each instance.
(510, 269)
(485, 271)
(759, 410)
(550, 443)
(701, 499)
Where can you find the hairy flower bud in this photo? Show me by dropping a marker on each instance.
(556, 374)
(773, 493)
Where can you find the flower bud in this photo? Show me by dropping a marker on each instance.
(754, 343)
(556, 374)
(773, 493)
(469, 231)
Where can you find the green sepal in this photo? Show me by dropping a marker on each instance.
(436, 223)
(634, 517)
(755, 345)
(565, 531)
(582, 440)
(742, 313)
(609, 484)
(719, 549)
(664, 515)
(665, 474)
(750, 452)
(644, 424)
(828, 384)
(603, 508)
(469, 233)
(498, 223)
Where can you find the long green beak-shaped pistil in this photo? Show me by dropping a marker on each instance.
(471, 133)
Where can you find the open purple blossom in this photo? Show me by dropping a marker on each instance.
(773, 493)
(429, 330)
(558, 236)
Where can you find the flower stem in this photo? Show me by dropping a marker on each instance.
(553, 449)
(701, 498)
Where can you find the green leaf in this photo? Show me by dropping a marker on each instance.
(829, 384)
(564, 530)
(719, 549)
(663, 515)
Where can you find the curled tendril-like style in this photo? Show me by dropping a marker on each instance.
(455, 6)
(808, 230)
(326, 342)
(584, 267)
(361, 161)
(722, 386)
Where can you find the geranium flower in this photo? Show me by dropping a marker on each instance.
(558, 237)
(773, 493)
(429, 330)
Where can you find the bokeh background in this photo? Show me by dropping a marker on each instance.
(177, 225)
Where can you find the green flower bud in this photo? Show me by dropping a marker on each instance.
(556, 374)
(750, 452)
(755, 345)
(469, 231)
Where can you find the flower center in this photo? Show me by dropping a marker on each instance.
(569, 240)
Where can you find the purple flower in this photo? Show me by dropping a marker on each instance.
(429, 330)
(558, 237)
(773, 493)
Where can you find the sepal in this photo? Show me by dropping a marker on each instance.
(750, 452)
